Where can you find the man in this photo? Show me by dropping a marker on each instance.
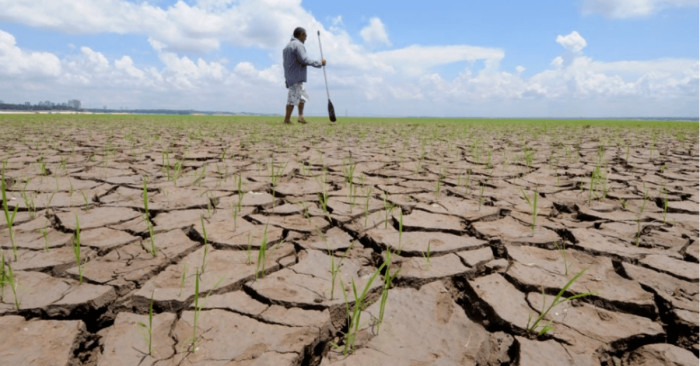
(295, 62)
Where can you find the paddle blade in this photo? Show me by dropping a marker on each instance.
(331, 111)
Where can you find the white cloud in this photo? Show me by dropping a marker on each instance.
(416, 60)
(94, 61)
(180, 27)
(79, 16)
(214, 5)
(375, 33)
(557, 62)
(126, 64)
(406, 92)
(16, 62)
(585, 78)
(337, 21)
(572, 42)
(186, 74)
(249, 72)
(580, 87)
(632, 8)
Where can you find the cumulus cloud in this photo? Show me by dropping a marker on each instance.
(94, 61)
(248, 71)
(126, 64)
(632, 8)
(415, 60)
(186, 74)
(200, 27)
(17, 62)
(79, 16)
(572, 42)
(375, 33)
(580, 86)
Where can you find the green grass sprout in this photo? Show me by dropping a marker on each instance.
(535, 327)
(562, 250)
(193, 344)
(147, 218)
(533, 207)
(198, 305)
(388, 279)
(248, 250)
(76, 248)
(11, 280)
(182, 279)
(9, 217)
(426, 256)
(359, 306)
(262, 255)
(206, 246)
(148, 329)
(3, 276)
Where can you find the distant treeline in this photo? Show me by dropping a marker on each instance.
(38, 107)
(183, 112)
(75, 105)
(140, 111)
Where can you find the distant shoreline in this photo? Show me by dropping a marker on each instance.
(202, 113)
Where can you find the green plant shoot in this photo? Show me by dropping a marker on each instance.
(148, 329)
(531, 328)
(76, 248)
(9, 218)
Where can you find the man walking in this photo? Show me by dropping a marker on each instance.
(295, 62)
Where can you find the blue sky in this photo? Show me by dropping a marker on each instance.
(498, 58)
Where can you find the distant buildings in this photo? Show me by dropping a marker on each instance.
(47, 105)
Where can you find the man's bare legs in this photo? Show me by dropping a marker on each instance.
(301, 112)
(290, 109)
(288, 113)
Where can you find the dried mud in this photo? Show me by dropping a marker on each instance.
(452, 202)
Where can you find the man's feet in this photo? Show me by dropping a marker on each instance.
(302, 121)
(287, 122)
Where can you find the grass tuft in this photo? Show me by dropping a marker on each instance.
(535, 327)
(76, 248)
(206, 246)
(388, 279)
(9, 217)
(148, 329)
(262, 255)
(10, 279)
(532, 202)
(354, 316)
(147, 218)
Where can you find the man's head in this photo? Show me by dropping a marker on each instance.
(300, 34)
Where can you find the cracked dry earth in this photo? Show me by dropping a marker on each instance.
(448, 200)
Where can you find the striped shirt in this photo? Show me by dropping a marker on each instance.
(295, 62)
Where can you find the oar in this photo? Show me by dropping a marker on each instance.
(331, 110)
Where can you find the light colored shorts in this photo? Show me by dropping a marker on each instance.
(296, 94)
